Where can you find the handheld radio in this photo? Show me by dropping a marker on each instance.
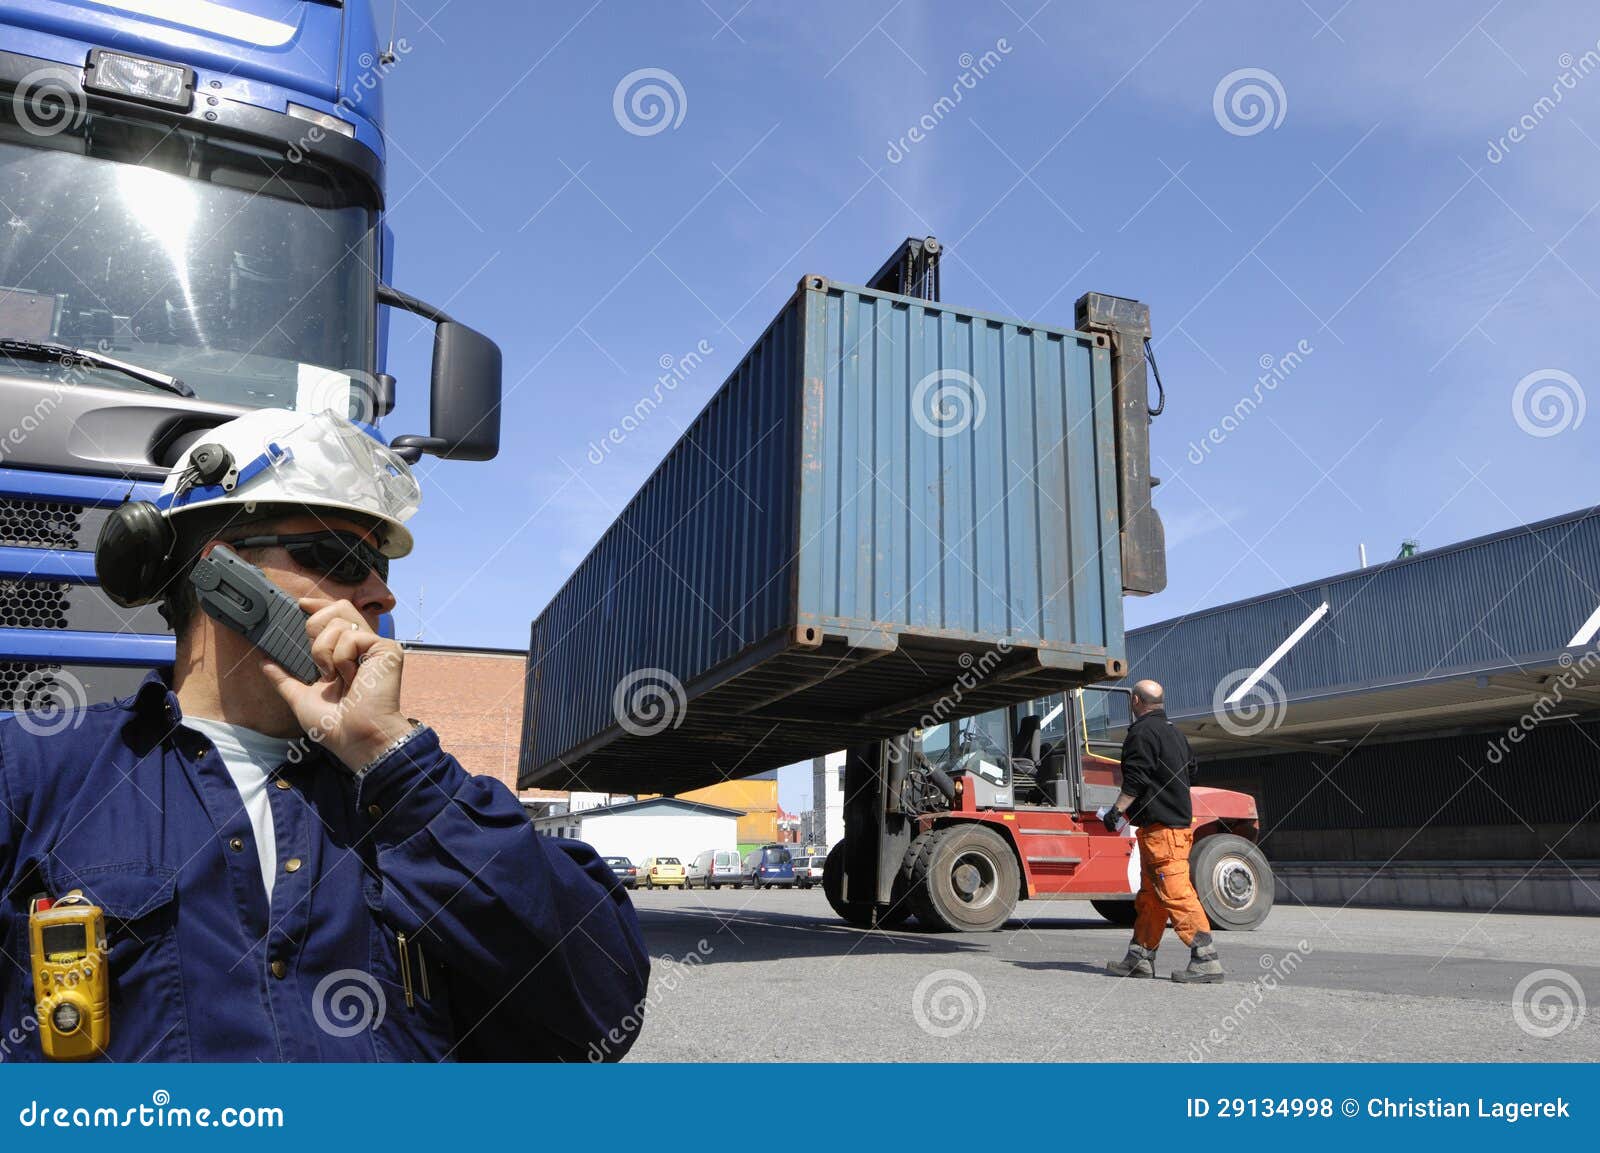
(239, 595)
(67, 945)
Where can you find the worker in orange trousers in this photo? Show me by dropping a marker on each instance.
(1156, 768)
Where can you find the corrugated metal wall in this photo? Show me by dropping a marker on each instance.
(1552, 776)
(1425, 789)
(1487, 603)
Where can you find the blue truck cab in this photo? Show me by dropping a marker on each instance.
(191, 226)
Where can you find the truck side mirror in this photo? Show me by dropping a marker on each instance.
(464, 403)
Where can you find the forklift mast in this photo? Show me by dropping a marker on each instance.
(913, 270)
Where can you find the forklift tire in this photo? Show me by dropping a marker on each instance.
(1117, 912)
(964, 879)
(859, 913)
(1233, 879)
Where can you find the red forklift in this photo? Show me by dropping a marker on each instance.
(955, 823)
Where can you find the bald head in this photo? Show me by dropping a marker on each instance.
(1147, 695)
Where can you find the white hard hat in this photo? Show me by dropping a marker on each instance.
(316, 460)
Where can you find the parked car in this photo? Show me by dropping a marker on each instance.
(767, 866)
(625, 871)
(663, 873)
(808, 871)
(715, 868)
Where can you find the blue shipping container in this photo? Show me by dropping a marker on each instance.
(894, 512)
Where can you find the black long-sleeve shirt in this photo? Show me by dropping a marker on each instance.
(1156, 769)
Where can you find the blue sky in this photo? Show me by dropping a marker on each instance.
(1429, 270)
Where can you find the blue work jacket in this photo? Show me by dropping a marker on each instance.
(517, 947)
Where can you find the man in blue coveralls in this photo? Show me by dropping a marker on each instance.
(293, 871)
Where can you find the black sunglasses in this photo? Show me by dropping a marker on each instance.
(344, 556)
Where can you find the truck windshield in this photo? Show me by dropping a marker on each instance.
(250, 278)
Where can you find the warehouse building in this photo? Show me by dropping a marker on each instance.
(1423, 732)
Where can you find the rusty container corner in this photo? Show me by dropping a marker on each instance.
(892, 512)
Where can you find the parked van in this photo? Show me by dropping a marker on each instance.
(715, 868)
(768, 865)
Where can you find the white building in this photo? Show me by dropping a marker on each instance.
(824, 823)
(660, 827)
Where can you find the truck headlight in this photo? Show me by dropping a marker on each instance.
(139, 78)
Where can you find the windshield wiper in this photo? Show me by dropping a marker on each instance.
(66, 354)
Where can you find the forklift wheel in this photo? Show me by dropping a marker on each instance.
(1233, 879)
(1117, 912)
(964, 879)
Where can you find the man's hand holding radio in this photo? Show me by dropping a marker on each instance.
(354, 710)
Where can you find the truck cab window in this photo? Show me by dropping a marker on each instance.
(252, 279)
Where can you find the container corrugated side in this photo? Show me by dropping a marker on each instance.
(814, 564)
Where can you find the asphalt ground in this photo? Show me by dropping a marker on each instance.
(775, 976)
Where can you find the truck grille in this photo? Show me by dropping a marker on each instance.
(28, 685)
(40, 524)
(48, 687)
(33, 604)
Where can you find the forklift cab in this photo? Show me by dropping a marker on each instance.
(1054, 751)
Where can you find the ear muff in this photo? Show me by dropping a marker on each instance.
(133, 557)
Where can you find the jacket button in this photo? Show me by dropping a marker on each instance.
(292, 865)
(374, 812)
(282, 784)
(237, 844)
(280, 969)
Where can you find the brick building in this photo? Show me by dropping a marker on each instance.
(473, 699)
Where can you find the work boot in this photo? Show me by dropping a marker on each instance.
(1204, 966)
(1140, 962)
